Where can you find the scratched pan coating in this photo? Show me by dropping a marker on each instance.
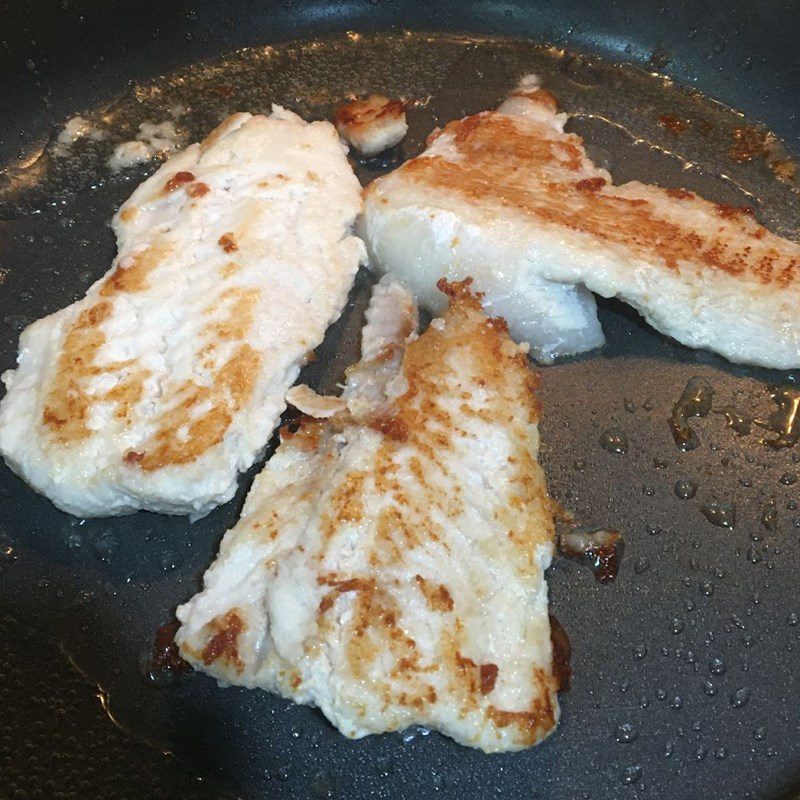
(685, 669)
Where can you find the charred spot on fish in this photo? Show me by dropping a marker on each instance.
(488, 677)
(133, 457)
(590, 184)
(391, 426)
(680, 194)
(223, 644)
(727, 211)
(198, 189)
(437, 596)
(228, 243)
(177, 180)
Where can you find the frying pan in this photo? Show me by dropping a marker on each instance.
(687, 668)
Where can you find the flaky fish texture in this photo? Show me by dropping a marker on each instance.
(513, 200)
(167, 379)
(389, 563)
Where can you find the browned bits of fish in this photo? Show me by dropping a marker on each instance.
(132, 457)
(327, 602)
(134, 276)
(726, 211)
(599, 548)
(198, 189)
(228, 243)
(680, 194)
(673, 124)
(496, 153)
(437, 595)
(224, 643)
(538, 95)
(164, 660)
(562, 654)
(372, 125)
(304, 431)
(392, 426)
(177, 180)
(784, 169)
(590, 184)
(360, 113)
(488, 677)
(66, 407)
(748, 142)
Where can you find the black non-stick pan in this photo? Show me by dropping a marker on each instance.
(686, 669)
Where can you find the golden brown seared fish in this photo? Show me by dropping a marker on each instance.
(167, 379)
(389, 563)
(513, 200)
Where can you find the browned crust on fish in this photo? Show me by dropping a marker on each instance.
(360, 115)
(506, 161)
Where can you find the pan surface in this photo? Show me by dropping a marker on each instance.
(686, 668)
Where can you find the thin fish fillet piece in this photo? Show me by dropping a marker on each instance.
(389, 563)
(167, 379)
(513, 200)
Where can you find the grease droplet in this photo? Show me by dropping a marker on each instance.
(614, 441)
(8, 551)
(754, 555)
(695, 401)
(723, 515)
(785, 420)
(739, 423)
(321, 785)
(740, 697)
(105, 546)
(626, 733)
(769, 518)
(631, 774)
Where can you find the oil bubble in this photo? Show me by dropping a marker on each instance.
(723, 515)
(614, 440)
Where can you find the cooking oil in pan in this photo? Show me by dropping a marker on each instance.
(637, 125)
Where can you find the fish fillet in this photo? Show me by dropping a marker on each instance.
(513, 200)
(389, 563)
(167, 379)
